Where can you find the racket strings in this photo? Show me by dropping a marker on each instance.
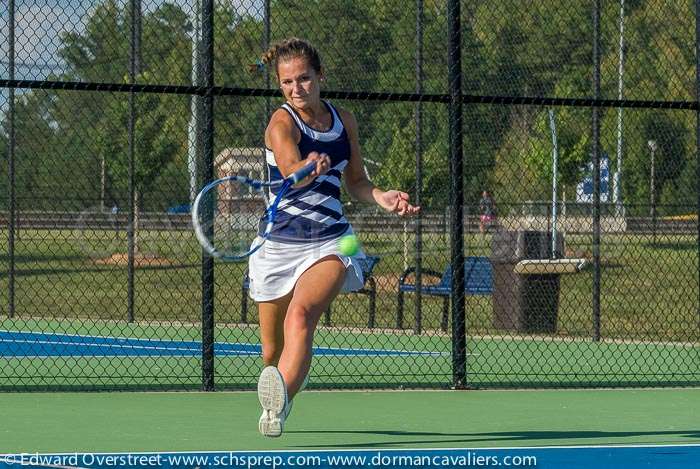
(231, 216)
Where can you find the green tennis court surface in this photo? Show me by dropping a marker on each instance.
(324, 422)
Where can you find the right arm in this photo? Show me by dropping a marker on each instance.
(282, 137)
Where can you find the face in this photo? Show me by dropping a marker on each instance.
(299, 82)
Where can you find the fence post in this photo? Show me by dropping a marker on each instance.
(11, 168)
(454, 73)
(697, 136)
(418, 260)
(134, 70)
(596, 172)
(208, 174)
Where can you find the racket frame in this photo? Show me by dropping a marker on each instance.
(270, 212)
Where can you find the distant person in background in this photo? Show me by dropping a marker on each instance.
(487, 208)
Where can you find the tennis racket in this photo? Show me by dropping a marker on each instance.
(233, 216)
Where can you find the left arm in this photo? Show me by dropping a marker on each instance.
(361, 188)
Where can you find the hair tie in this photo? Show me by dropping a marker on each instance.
(260, 64)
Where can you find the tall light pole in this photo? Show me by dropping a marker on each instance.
(652, 189)
(555, 159)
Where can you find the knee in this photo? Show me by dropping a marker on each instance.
(300, 318)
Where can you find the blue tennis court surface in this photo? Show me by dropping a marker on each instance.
(573, 457)
(37, 344)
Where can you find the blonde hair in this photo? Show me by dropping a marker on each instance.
(288, 49)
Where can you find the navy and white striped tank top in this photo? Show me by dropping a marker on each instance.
(313, 212)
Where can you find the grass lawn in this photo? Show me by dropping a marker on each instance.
(647, 292)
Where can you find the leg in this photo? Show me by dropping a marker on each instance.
(272, 315)
(312, 295)
(244, 298)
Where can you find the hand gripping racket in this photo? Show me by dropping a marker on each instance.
(232, 216)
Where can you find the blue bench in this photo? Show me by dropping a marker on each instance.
(370, 289)
(478, 280)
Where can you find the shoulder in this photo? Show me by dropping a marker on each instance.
(348, 118)
(281, 118)
(281, 124)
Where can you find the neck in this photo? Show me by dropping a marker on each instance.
(312, 112)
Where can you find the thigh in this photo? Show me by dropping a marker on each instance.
(318, 285)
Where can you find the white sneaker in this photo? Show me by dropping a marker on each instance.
(272, 394)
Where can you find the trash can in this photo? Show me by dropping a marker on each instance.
(524, 302)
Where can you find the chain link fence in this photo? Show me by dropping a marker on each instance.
(552, 148)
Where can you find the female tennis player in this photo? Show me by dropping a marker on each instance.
(299, 270)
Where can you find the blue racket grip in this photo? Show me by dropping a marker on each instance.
(302, 173)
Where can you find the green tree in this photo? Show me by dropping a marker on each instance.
(240, 121)
(37, 163)
(573, 148)
(93, 127)
(101, 53)
(392, 131)
(154, 146)
(658, 65)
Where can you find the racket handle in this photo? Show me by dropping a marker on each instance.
(302, 173)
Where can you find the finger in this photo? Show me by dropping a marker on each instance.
(402, 207)
(324, 163)
(411, 210)
(395, 204)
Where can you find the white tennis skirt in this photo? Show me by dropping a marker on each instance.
(274, 269)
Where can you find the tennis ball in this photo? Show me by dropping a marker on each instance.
(348, 245)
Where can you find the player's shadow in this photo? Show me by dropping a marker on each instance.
(409, 438)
